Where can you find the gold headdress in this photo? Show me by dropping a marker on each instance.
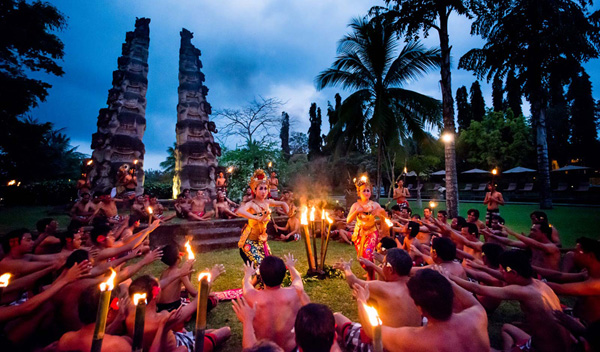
(363, 180)
(258, 178)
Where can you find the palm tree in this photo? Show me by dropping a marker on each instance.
(369, 62)
(169, 164)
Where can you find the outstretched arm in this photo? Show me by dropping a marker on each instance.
(506, 292)
(585, 288)
(351, 279)
(559, 276)
(246, 314)
(135, 241)
(249, 271)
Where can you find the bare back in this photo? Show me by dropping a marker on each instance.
(394, 304)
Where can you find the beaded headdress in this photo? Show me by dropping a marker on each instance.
(258, 178)
(361, 181)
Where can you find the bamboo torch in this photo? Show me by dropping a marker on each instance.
(139, 300)
(320, 265)
(149, 215)
(314, 235)
(203, 281)
(105, 291)
(376, 324)
(304, 223)
(324, 253)
(4, 279)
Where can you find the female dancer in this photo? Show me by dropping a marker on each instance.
(365, 236)
(253, 242)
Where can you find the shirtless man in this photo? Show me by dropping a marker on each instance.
(291, 230)
(400, 194)
(108, 208)
(182, 207)
(221, 182)
(538, 217)
(158, 210)
(247, 196)
(427, 214)
(71, 241)
(222, 206)
(151, 286)
(537, 301)
(46, 242)
(493, 200)
(276, 306)
(197, 210)
(105, 247)
(434, 296)
(442, 253)
(273, 186)
(473, 218)
(83, 211)
(544, 252)
(389, 296)
(587, 256)
(140, 208)
(19, 261)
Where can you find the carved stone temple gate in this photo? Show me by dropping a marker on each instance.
(118, 143)
(196, 153)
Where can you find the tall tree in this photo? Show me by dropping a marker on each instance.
(332, 113)
(314, 131)
(463, 108)
(299, 143)
(584, 135)
(497, 94)
(557, 119)
(415, 18)
(513, 93)
(28, 45)
(284, 134)
(477, 102)
(168, 165)
(370, 63)
(530, 37)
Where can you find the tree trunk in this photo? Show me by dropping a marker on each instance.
(419, 201)
(448, 117)
(378, 190)
(538, 114)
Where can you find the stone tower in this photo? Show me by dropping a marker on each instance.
(118, 142)
(196, 153)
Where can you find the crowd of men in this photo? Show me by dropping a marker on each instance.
(438, 281)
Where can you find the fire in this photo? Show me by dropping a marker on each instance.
(388, 222)
(4, 278)
(329, 220)
(90, 162)
(230, 169)
(312, 213)
(110, 283)
(270, 164)
(447, 137)
(304, 216)
(363, 178)
(405, 170)
(12, 182)
(322, 214)
(432, 204)
(373, 315)
(190, 253)
(139, 296)
(135, 162)
(203, 275)
(495, 172)
(149, 210)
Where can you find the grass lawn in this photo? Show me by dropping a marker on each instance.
(572, 223)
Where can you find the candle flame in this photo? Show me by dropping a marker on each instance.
(388, 222)
(312, 213)
(149, 210)
(139, 296)
(12, 182)
(304, 216)
(204, 275)
(109, 284)
(4, 280)
(90, 162)
(432, 204)
(329, 220)
(373, 315)
(190, 253)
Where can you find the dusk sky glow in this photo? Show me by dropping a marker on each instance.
(249, 48)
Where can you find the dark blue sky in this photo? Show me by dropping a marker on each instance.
(264, 47)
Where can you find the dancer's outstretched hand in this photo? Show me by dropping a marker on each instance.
(243, 311)
(249, 269)
(289, 260)
(216, 271)
(361, 293)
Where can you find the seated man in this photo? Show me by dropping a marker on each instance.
(291, 230)
(442, 253)
(434, 296)
(84, 210)
(223, 206)
(539, 217)
(71, 241)
(46, 242)
(276, 306)
(198, 211)
(158, 210)
(18, 245)
(182, 207)
(487, 273)
(537, 301)
(107, 207)
(139, 208)
(473, 218)
(389, 296)
(105, 247)
(469, 238)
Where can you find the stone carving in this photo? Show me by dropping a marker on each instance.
(196, 152)
(121, 126)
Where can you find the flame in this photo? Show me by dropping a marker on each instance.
(204, 275)
(329, 220)
(373, 315)
(322, 214)
(495, 172)
(405, 170)
(230, 169)
(90, 162)
(149, 210)
(138, 296)
(135, 162)
(190, 253)
(354, 180)
(12, 182)
(432, 204)
(312, 213)
(4, 278)
(109, 284)
(270, 164)
(388, 222)
(363, 178)
(304, 216)
(447, 137)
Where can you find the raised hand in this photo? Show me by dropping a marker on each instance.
(378, 257)
(289, 260)
(360, 293)
(216, 271)
(366, 262)
(187, 267)
(249, 269)
(343, 265)
(77, 271)
(243, 311)
(152, 256)
(415, 251)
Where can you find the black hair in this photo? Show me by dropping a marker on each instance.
(474, 212)
(460, 222)
(180, 196)
(408, 210)
(432, 292)
(144, 284)
(88, 304)
(18, 233)
(414, 229)
(170, 254)
(264, 346)
(399, 260)
(492, 252)
(100, 221)
(388, 243)
(315, 328)
(546, 229)
(589, 245)
(84, 194)
(416, 216)
(100, 230)
(443, 212)
(395, 207)
(427, 208)
(540, 215)
(133, 218)
(65, 235)
(445, 248)
(472, 229)
(272, 271)
(41, 224)
(498, 218)
(517, 260)
(76, 257)
(74, 226)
